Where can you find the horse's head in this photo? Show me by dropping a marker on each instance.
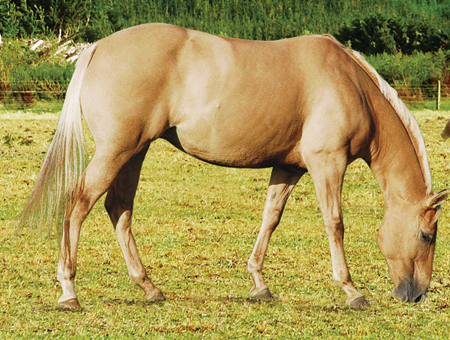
(407, 239)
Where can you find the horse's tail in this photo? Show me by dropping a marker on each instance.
(60, 177)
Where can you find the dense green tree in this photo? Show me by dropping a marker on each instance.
(19, 19)
(68, 17)
(380, 34)
(371, 26)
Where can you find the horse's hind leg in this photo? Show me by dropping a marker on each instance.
(119, 204)
(282, 182)
(97, 178)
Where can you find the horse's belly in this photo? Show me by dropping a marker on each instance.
(237, 141)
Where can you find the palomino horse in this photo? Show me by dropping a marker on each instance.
(446, 132)
(297, 105)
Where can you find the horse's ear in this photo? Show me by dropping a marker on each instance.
(437, 199)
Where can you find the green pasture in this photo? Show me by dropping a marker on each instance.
(195, 225)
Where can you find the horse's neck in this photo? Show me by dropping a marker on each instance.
(396, 164)
(398, 156)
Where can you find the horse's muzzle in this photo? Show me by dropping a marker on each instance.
(409, 290)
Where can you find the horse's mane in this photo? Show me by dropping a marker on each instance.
(399, 107)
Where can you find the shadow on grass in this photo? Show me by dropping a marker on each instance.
(238, 300)
(57, 308)
(234, 299)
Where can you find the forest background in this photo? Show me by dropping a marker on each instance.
(407, 41)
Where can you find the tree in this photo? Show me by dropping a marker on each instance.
(381, 34)
(68, 18)
(20, 19)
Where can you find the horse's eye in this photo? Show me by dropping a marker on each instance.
(427, 237)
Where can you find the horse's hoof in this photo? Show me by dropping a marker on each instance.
(263, 295)
(69, 304)
(358, 303)
(157, 297)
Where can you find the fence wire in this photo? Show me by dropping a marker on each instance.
(29, 92)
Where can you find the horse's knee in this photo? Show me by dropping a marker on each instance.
(334, 228)
(272, 218)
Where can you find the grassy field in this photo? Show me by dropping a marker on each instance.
(195, 226)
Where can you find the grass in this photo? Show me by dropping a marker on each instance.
(195, 225)
(35, 108)
(429, 105)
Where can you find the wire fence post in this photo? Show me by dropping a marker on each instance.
(438, 98)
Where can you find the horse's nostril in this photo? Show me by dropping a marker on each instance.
(420, 298)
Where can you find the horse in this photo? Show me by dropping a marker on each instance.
(296, 105)
(446, 131)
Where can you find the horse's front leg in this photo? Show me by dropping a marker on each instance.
(281, 184)
(327, 171)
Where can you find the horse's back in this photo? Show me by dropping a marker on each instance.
(228, 101)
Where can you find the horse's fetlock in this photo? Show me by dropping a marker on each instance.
(253, 267)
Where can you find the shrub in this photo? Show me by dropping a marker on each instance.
(27, 75)
(413, 76)
(379, 33)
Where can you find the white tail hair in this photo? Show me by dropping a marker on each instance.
(60, 177)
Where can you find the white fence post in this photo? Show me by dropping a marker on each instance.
(438, 98)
